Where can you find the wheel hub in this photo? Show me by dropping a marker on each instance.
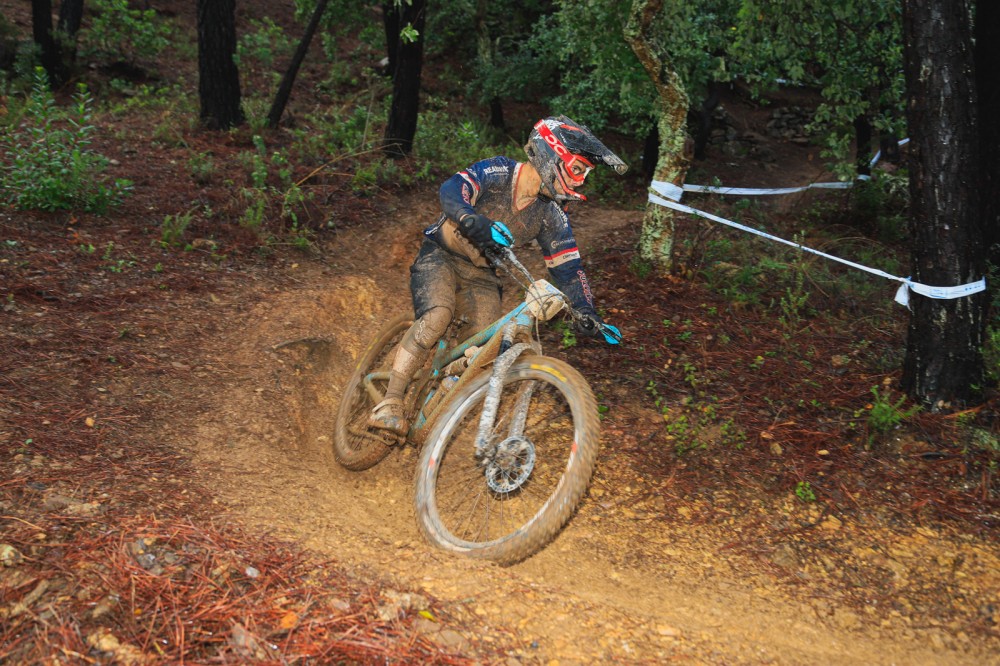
(511, 466)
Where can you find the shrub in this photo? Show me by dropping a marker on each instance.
(886, 415)
(47, 161)
(452, 146)
(118, 33)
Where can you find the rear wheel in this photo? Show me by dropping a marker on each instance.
(507, 504)
(357, 446)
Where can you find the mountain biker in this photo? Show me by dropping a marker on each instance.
(497, 202)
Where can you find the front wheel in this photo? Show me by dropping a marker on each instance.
(357, 446)
(509, 502)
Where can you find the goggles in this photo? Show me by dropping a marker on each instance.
(575, 167)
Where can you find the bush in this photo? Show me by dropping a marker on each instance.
(117, 33)
(880, 207)
(47, 162)
(451, 146)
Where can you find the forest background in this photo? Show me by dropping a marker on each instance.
(130, 181)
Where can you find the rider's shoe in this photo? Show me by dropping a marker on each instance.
(388, 415)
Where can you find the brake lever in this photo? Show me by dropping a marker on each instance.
(611, 333)
(504, 257)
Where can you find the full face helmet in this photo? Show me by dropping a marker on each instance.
(564, 152)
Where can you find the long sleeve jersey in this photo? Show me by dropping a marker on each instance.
(489, 188)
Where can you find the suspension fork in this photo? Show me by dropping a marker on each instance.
(501, 366)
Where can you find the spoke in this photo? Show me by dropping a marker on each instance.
(459, 485)
(468, 506)
(466, 526)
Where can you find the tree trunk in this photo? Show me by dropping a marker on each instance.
(288, 80)
(708, 106)
(987, 56)
(70, 16)
(863, 145)
(650, 150)
(8, 44)
(496, 115)
(656, 241)
(218, 77)
(888, 145)
(943, 368)
(402, 124)
(485, 45)
(41, 29)
(392, 27)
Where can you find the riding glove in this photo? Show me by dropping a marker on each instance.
(484, 232)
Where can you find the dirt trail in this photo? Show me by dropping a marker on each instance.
(613, 586)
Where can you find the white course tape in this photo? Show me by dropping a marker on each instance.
(675, 192)
(711, 189)
(902, 294)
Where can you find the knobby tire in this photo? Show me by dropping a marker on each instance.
(459, 509)
(357, 446)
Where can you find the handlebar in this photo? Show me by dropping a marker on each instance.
(503, 257)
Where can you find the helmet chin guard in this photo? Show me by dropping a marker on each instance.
(563, 152)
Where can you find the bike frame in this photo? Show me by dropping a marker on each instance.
(512, 325)
(517, 319)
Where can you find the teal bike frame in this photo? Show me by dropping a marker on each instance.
(444, 356)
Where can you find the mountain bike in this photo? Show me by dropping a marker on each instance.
(508, 450)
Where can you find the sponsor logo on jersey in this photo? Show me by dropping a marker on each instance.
(495, 169)
(433, 229)
(586, 286)
(470, 181)
(560, 258)
(560, 214)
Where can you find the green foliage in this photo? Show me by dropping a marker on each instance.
(170, 102)
(172, 229)
(639, 267)
(47, 161)
(880, 206)
(341, 131)
(793, 303)
(118, 33)
(202, 168)
(377, 172)
(116, 264)
(343, 17)
(695, 425)
(740, 284)
(258, 52)
(440, 142)
(510, 64)
(804, 491)
(886, 415)
(408, 34)
(262, 45)
(991, 352)
(601, 82)
(566, 331)
(272, 196)
(852, 54)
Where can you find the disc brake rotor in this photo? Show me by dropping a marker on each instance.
(511, 466)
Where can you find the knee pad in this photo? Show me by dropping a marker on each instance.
(427, 330)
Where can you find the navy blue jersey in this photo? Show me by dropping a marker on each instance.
(489, 188)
